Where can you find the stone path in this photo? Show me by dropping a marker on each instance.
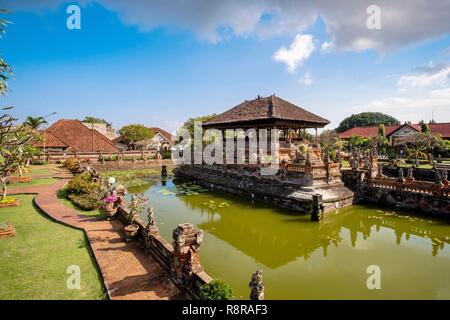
(127, 271)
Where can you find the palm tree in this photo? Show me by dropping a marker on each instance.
(35, 122)
(5, 69)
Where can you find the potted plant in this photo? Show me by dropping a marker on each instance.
(108, 206)
(132, 229)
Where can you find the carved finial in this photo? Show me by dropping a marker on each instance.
(256, 285)
(151, 217)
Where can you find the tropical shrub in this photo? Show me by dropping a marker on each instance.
(85, 202)
(216, 290)
(72, 164)
(82, 184)
(166, 154)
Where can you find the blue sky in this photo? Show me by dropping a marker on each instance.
(159, 63)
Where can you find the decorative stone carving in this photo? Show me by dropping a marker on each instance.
(256, 285)
(186, 244)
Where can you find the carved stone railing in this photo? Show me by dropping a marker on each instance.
(180, 260)
(317, 171)
(425, 187)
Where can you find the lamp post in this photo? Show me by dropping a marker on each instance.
(51, 114)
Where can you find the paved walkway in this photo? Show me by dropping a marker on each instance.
(128, 272)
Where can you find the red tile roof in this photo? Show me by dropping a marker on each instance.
(50, 141)
(162, 132)
(78, 137)
(371, 131)
(442, 128)
(367, 132)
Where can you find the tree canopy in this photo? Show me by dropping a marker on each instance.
(89, 119)
(425, 128)
(419, 144)
(189, 124)
(5, 70)
(366, 119)
(136, 134)
(331, 143)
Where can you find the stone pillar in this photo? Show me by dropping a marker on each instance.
(257, 287)
(317, 207)
(186, 244)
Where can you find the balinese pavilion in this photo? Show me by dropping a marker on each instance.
(302, 171)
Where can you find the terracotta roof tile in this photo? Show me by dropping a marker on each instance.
(50, 141)
(78, 137)
(371, 131)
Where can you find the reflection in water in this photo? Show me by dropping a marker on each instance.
(255, 235)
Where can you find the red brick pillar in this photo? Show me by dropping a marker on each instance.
(186, 243)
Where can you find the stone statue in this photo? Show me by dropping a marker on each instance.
(392, 164)
(437, 177)
(151, 225)
(380, 174)
(410, 176)
(366, 162)
(355, 164)
(308, 158)
(257, 286)
(445, 175)
(401, 177)
(151, 217)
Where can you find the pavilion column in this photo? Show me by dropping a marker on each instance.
(316, 138)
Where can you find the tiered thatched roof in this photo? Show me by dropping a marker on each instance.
(266, 112)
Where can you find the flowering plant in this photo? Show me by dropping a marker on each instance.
(109, 199)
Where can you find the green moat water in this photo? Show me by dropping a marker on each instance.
(301, 259)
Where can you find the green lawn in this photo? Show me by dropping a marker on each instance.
(94, 213)
(33, 264)
(34, 182)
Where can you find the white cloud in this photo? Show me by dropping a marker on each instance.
(413, 108)
(327, 46)
(402, 22)
(306, 79)
(299, 50)
(431, 75)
